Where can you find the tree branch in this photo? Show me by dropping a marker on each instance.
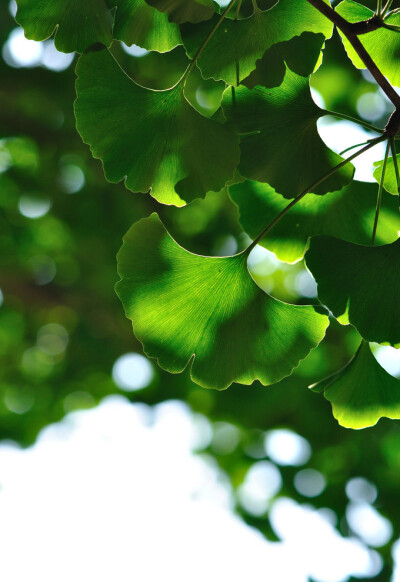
(351, 31)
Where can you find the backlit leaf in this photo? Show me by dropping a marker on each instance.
(181, 11)
(207, 311)
(154, 139)
(233, 50)
(77, 24)
(359, 284)
(390, 182)
(284, 148)
(138, 23)
(362, 392)
(382, 44)
(348, 214)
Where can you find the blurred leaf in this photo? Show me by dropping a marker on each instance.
(77, 25)
(154, 139)
(359, 284)
(390, 182)
(383, 45)
(348, 214)
(285, 149)
(362, 392)
(233, 50)
(208, 312)
(181, 11)
(138, 23)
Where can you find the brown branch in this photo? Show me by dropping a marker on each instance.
(351, 31)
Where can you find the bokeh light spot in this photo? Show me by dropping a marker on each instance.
(32, 207)
(285, 447)
(132, 372)
(309, 482)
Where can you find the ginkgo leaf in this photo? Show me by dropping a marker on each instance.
(181, 11)
(284, 148)
(138, 23)
(78, 24)
(207, 311)
(390, 182)
(233, 50)
(301, 55)
(362, 392)
(347, 214)
(359, 284)
(382, 44)
(153, 139)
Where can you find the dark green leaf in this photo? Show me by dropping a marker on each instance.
(359, 284)
(154, 139)
(78, 24)
(232, 52)
(383, 45)
(208, 312)
(181, 11)
(300, 54)
(347, 214)
(138, 23)
(362, 392)
(285, 149)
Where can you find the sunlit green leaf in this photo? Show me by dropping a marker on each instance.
(208, 311)
(382, 44)
(138, 23)
(154, 139)
(232, 52)
(359, 284)
(78, 24)
(301, 55)
(347, 214)
(181, 11)
(362, 392)
(390, 182)
(284, 148)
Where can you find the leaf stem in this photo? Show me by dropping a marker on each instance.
(348, 30)
(207, 40)
(309, 189)
(379, 8)
(354, 120)
(395, 164)
(380, 190)
(387, 7)
(356, 145)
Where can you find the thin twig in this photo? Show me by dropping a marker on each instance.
(380, 190)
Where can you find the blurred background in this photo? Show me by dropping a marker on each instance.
(111, 468)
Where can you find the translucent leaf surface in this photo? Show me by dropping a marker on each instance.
(154, 139)
(348, 214)
(208, 311)
(232, 52)
(359, 284)
(284, 148)
(390, 183)
(78, 24)
(181, 11)
(382, 44)
(138, 23)
(362, 392)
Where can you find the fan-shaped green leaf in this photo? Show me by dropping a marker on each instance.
(153, 139)
(208, 311)
(390, 182)
(300, 54)
(78, 24)
(181, 11)
(233, 50)
(347, 214)
(284, 148)
(362, 392)
(382, 44)
(359, 284)
(138, 23)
